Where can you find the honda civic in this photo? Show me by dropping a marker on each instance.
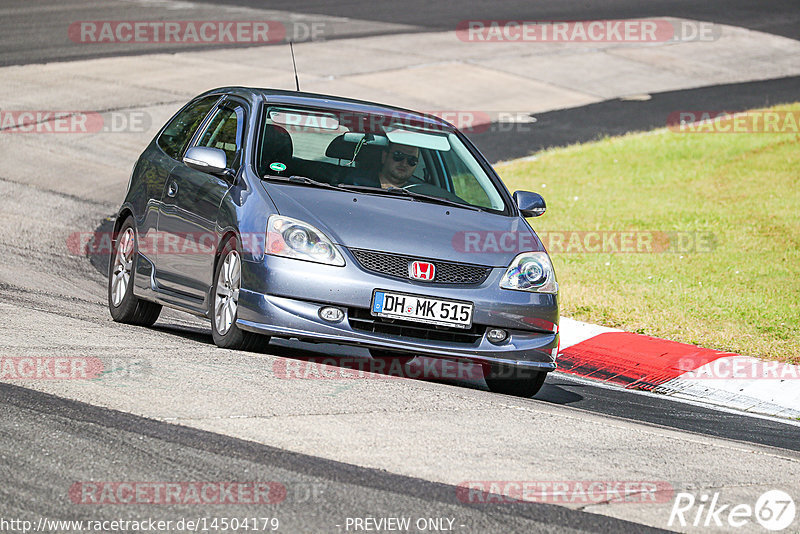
(325, 219)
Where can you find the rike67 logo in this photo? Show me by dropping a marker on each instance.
(774, 510)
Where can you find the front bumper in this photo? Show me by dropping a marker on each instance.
(282, 297)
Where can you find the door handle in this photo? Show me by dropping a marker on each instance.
(172, 190)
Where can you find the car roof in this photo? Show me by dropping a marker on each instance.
(338, 103)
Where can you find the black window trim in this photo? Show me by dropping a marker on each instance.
(184, 108)
(230, 104)
(510, 208)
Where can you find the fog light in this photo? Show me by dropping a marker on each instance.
(331, 314)
(496, 335)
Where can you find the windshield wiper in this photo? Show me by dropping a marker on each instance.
(387, 191)
(399, 191)
(395, 191)
(365, 188)
(304, 180)
(434, 199)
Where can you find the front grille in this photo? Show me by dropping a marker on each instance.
(397, 265)
(361, 319)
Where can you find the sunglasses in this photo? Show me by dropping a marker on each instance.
(400, 156)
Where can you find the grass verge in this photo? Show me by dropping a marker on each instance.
(722, 212)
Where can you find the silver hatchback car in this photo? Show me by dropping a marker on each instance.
(325, 219)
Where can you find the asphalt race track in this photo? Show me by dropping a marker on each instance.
(156, 451)
(179, 409)
(21, 45)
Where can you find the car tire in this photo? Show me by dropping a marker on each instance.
(123, 305)
(224, 299)
(389, 357)
(499, 381)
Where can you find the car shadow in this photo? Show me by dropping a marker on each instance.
(196, 334)
(315, 360)
(553, 392)
(98, 251)
(331, 361)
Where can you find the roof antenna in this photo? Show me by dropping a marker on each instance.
(296, 81)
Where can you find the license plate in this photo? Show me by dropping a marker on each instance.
(422, 309)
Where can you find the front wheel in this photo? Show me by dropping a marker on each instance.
(123, 305)
(224, 302)
(515, 381)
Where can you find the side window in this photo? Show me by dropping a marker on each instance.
(176, 136)
(465, 183)
(429, 168)
(224, 131)
(421, 171)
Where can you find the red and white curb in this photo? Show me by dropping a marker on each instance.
(636, 361)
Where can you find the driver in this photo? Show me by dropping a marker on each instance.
(398, 163)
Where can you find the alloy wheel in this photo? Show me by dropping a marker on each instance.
(123, 262)
(227, 292)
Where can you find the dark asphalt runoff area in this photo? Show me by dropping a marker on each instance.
(36, 32)
(779, 17)
(505, 141)
(69, 443)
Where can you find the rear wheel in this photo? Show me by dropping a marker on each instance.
(224, 302)
(124, 306)
(516, 381)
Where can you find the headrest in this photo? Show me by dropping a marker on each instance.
(277, 144)
(340, 149)
(343, 150)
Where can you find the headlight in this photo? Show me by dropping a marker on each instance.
(291, 238)
(531, 271)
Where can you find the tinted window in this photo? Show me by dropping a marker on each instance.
(465, 182)
(224, 131)
(352, 148)
(179, 131)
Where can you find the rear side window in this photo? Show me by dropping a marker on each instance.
(179, 131)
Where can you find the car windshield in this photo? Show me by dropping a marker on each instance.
(374, 153)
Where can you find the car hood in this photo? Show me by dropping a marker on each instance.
(403, 226)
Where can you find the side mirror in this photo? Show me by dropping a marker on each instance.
(207, 159)
(530, 204)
